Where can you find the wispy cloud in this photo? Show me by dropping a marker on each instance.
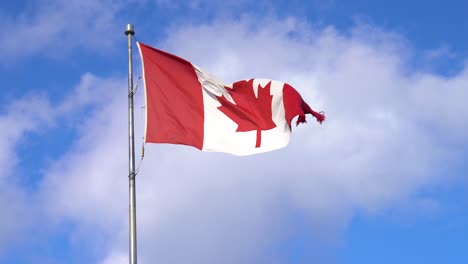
(56, 27)
(26, 115)
(36, 114)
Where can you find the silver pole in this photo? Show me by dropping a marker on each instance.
(131, 152)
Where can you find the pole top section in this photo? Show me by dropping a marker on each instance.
(130, 30)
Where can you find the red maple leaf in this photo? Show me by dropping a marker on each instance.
(249, 112)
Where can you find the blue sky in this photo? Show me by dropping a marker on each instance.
(382, 181)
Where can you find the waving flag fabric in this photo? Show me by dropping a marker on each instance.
(185, 105)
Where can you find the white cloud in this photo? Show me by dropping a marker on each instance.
(34, 113)
(25, 115)
(117, 258)
(375, 150)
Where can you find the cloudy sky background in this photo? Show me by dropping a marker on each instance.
(383, 180)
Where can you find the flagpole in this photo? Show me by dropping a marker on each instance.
(131, 152)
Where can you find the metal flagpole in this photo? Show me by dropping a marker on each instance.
(131, 152)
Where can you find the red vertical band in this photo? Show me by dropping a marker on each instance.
(174, 99)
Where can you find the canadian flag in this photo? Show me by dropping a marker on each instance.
(185, 105)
